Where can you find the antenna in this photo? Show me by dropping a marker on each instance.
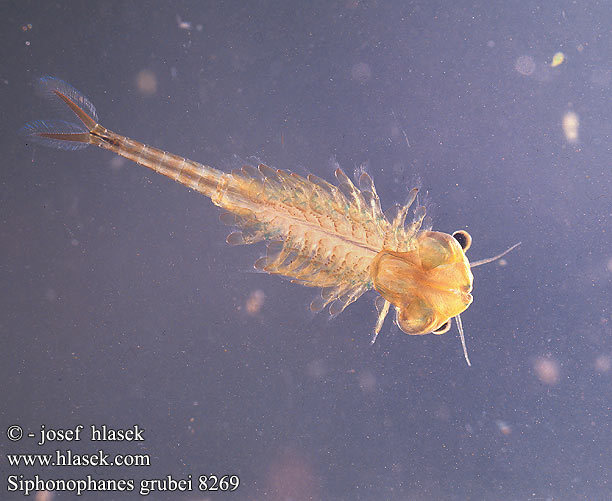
(460, 327)
(494, 258)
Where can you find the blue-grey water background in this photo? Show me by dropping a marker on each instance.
(121, 304)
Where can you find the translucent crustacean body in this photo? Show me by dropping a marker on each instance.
(335, 237)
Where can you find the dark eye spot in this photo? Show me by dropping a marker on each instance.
(464, 239)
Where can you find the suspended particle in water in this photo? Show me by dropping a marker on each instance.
(43, 496)
(183, 25)
(503, 427)
(291, 475)
(558, 59)
(255, 301)
(570, 125)
(603, 363)
(117, 162)
(547, 370)
(146, 82)
(525, 65)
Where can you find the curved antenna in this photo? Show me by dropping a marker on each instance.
(460, 327)
(494, 258)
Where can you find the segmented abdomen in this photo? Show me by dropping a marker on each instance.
(320, 235)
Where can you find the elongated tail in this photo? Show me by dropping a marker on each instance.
(63, 134)
(321, 235)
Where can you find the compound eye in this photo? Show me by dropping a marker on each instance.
(464, 239)
(444, 328)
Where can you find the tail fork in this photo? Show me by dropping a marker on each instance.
(63, 134)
